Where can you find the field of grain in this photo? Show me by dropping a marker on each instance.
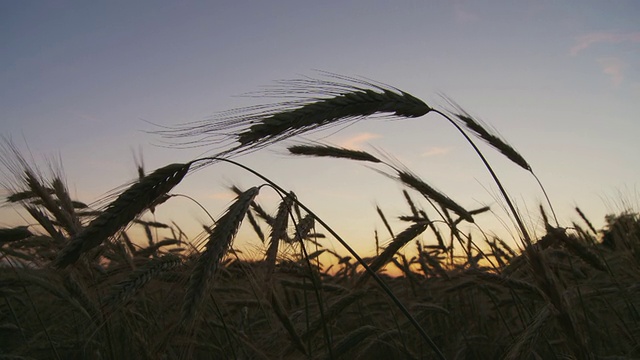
(75, 285)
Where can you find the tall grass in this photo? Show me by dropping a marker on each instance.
(76, 285)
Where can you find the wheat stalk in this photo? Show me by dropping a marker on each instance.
(384, 221)
(579, 249)
(152, 249)
(127, 288)
(78, 292)
(382, 284)
(398, 242)
(492, 139)
(586, 220)
(311, 104)
(522, 348)
(352, 339)
(333, 151)
(45, 222)
(66, 204)
(219, 242)
(333, 311)
(256, 227)
(278, 232)
(303, 229)
(411, 180)
(507, 282)
(17, 233)
(280, 312)
(126, 207)
(49, 203)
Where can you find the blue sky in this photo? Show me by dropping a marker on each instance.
(559, 80)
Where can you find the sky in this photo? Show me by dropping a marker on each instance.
(560, 81)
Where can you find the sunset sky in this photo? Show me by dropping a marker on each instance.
(560, 81)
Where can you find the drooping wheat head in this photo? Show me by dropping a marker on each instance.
(125, 208)
(413, 181)
(481, 130)
(311, 104)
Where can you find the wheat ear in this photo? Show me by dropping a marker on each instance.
(219, 242)
(586, 220)
(400, 240)
(49, 202)
(278, 232)
(8, 235)
(429, 192)
(522, 348)
(126, 207)
(45, 222)
(352, 339)
(332, 151)
(280, 312)
(496, 142)
(66, 204)
(311, 104)
(126, 289)
(333, 311)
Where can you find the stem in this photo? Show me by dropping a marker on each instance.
(512, 208)
(553, 212)
(314, 280)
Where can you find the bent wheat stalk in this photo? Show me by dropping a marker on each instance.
(125, 208)
(312, 104)
(477, 128)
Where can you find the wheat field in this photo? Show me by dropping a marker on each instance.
(77, 285)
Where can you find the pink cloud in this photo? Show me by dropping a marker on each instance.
(355, 141)
(435, 151)
(585, 41)
(614, 68)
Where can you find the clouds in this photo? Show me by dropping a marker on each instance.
(436, 151)
(356, 141)
(588, 40)
(612, 66)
